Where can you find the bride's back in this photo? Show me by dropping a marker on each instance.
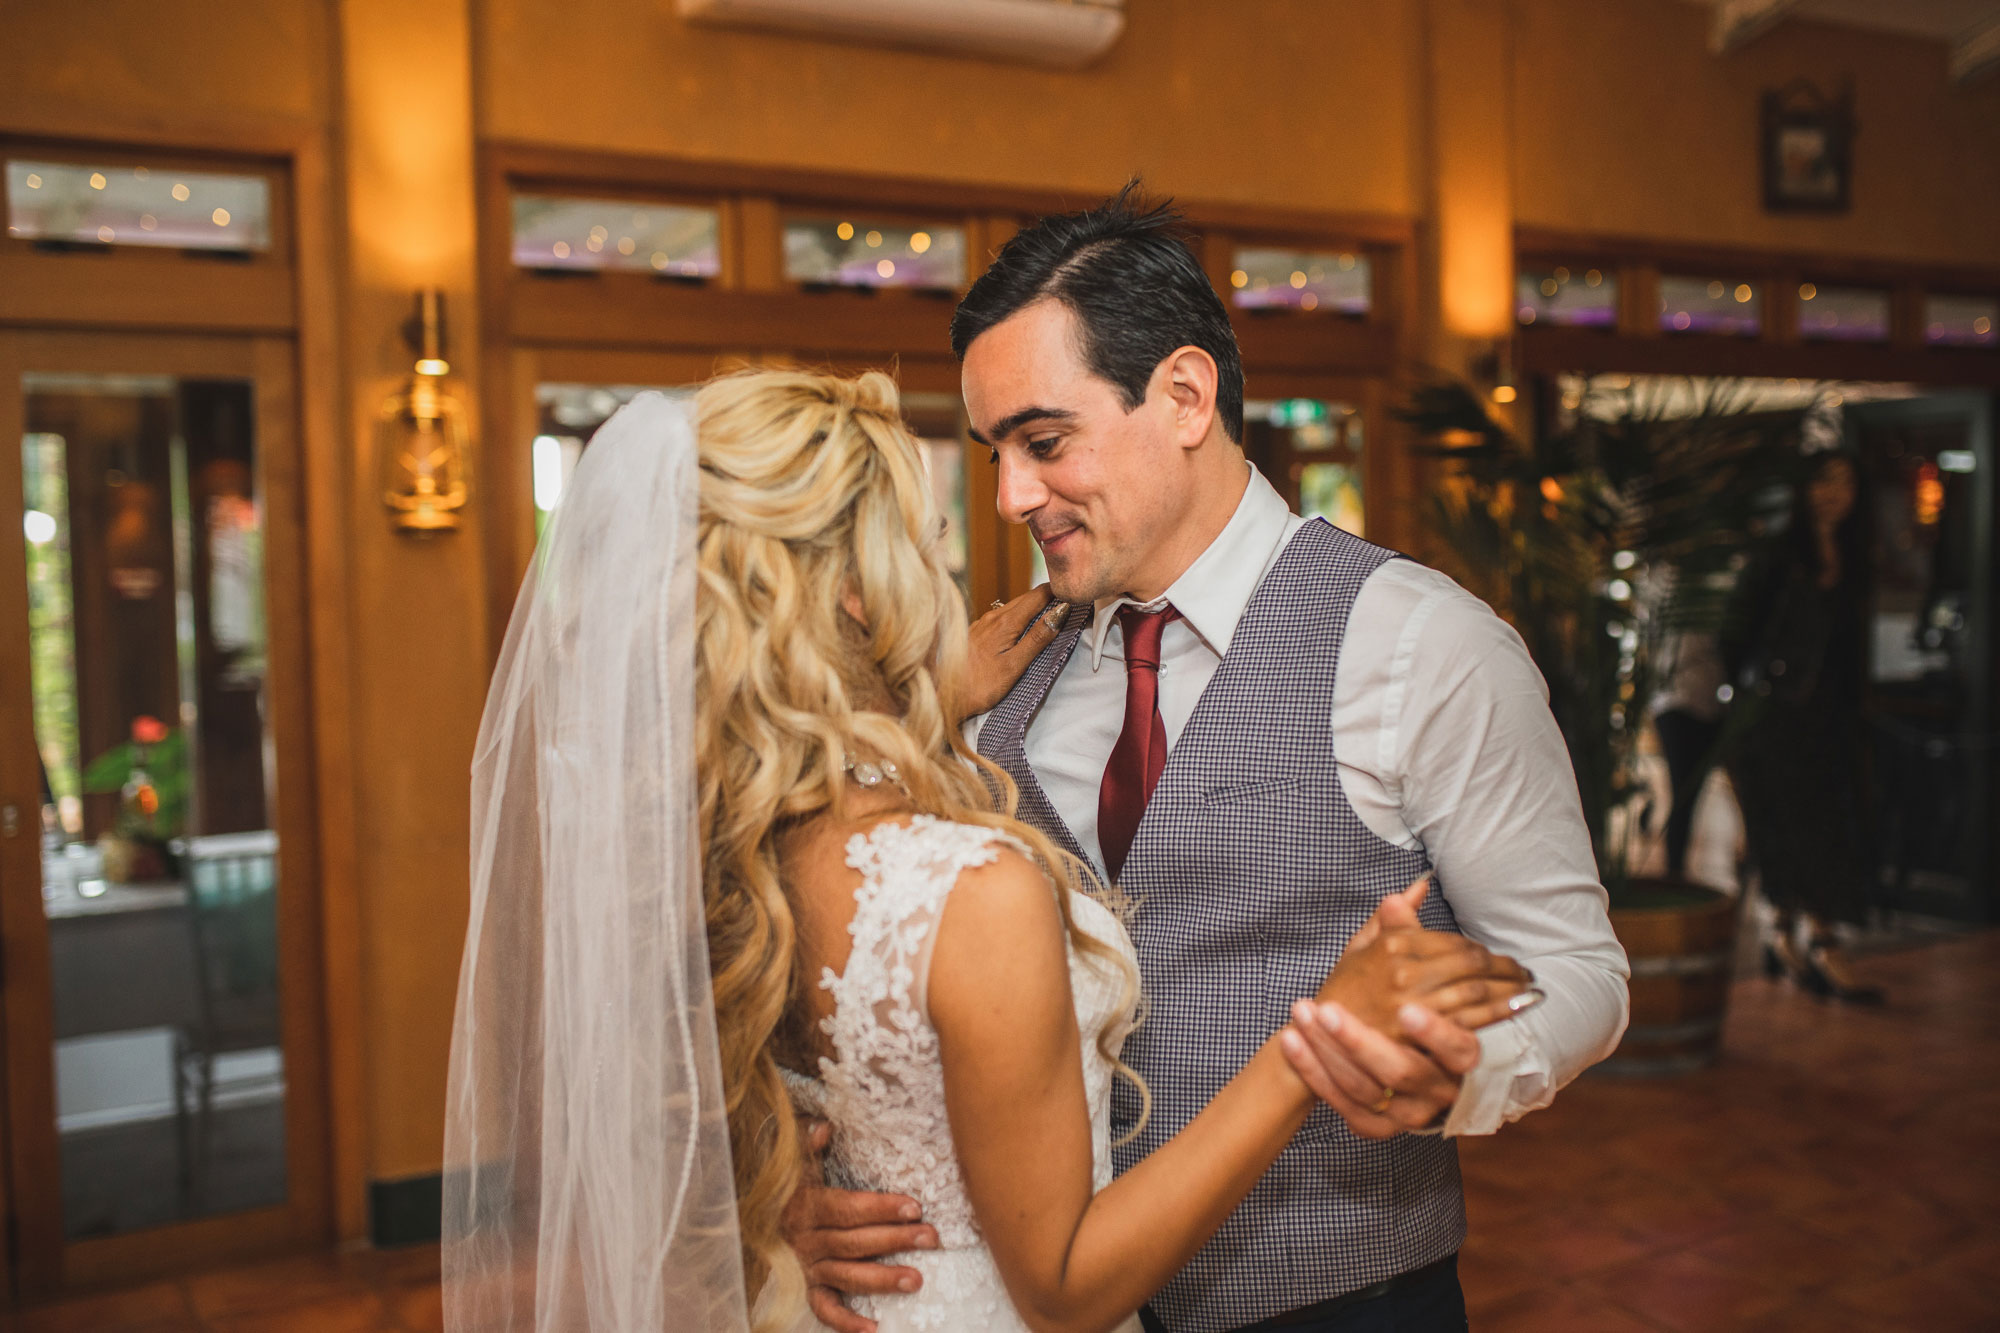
(875, 903)
(828, 634)
(823, 889)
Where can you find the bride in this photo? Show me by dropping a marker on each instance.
(732, 862)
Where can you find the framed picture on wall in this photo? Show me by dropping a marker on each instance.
(1808, 143)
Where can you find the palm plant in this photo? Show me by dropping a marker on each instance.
(1598, 539)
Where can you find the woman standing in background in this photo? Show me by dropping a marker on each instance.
(1801, 655)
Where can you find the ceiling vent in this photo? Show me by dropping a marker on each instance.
(1061, 34)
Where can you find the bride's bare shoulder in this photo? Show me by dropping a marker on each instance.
(1000, 960)
(999, 911)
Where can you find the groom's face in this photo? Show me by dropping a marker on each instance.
(1093, 482)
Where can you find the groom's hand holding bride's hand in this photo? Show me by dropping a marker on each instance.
(1391, 1034)
(1004, 641)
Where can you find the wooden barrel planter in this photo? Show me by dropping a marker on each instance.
(1681, 940)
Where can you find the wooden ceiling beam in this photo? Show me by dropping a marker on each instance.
(1737, 22)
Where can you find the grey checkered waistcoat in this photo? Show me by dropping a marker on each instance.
(1249, 872)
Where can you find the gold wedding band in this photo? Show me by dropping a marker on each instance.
(1382, 1102)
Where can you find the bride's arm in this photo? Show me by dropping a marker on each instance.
(999, 998)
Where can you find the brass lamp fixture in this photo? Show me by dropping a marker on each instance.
(421, 434)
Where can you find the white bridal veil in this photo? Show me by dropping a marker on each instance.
(587, 1173)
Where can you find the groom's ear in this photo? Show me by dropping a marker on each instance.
(1190, 383)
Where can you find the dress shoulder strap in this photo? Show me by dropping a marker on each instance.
(907, 873)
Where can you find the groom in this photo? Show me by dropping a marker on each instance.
(1261, 728)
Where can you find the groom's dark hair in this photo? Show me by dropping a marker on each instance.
(1127, 270)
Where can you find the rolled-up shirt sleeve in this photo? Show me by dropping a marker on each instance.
(1485, 784)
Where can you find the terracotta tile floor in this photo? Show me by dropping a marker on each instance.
(1837, 1171)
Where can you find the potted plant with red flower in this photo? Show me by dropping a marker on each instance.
(149, 773)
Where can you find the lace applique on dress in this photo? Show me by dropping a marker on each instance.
(883, 1089)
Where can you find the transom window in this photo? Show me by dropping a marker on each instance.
(565, 233)
(854, 252)
(1272, 279)
(1582, 296)
(1962, 321)
(1710, 305)
(75, 203)
(1843, 314)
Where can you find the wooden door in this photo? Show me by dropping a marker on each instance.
(1928, 506)
(165, 1089)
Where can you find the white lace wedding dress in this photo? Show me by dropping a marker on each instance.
(883, 1091)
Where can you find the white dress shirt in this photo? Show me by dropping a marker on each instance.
(1443, 739)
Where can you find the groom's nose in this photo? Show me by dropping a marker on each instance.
(1019, 491)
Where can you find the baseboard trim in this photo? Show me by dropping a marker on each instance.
(405, 1212)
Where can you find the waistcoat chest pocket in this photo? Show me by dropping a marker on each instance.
(1248, 792)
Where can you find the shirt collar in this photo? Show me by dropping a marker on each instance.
(1214, 591)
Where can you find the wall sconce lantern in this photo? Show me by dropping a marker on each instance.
(420, 436)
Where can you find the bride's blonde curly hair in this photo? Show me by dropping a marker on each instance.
(812, 489)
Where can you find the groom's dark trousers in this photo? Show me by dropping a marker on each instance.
(1426, 1301)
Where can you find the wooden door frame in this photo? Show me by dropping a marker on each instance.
(750, 308)
(1388, 471)
(331, 477)
(1980, 407)
(47, 1261)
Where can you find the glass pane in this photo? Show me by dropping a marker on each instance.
(159, 864)
(567, 416)
(840, 252)
(1843, 314)
(673, 240)
(1710, 305)
(1585, 298)
(1266, 279)
(1962, 321)
(937, 420)
(1311, 450)
(1331, 491)
(183, 210)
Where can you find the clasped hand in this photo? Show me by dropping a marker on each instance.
(1391, 1034)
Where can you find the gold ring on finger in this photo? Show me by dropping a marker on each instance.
(1382, 1102)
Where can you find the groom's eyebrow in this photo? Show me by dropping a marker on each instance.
(1007, 425)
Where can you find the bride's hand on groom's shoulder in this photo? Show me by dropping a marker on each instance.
(1004, 641)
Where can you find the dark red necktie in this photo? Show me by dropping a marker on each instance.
(1141, 751)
